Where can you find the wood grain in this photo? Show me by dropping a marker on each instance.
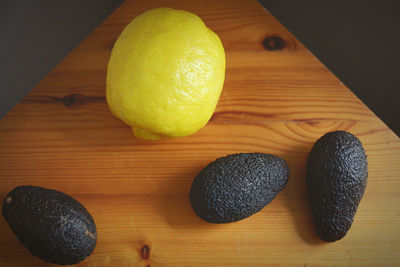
(62, 136)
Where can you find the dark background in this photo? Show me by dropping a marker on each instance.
(358, 41)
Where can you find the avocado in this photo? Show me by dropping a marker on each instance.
(234, 187)
(52, 225)
(337, 172)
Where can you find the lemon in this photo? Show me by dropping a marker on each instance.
(165, 74)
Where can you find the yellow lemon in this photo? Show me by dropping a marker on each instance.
(165, 74)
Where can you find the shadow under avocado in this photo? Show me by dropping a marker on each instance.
(178, 213)
(298, 206)
(175, 205)
(295, 197)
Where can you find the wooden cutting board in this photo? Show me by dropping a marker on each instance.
(277, 99)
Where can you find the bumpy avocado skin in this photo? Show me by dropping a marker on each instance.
(337, 172)
(234, 187)
(52, 225)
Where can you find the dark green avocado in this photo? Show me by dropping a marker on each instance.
(336, 180)
(52, 225)
(234, 187)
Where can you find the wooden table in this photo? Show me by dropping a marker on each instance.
(277, 99)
